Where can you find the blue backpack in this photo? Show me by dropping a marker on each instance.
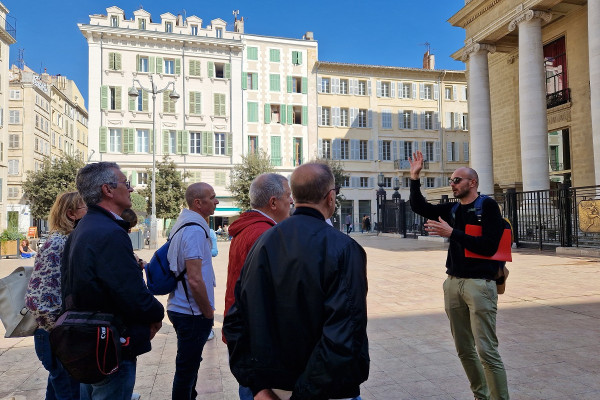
(159, 277)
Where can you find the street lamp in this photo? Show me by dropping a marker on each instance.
(381, 195)
(396, 198)
(173, 96)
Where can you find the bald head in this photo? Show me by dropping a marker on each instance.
(310, 183)
(466, 172)
(196, 191)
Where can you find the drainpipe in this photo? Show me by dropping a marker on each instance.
(101, 82)
(243, 103)
(441, 117)
(183, 95)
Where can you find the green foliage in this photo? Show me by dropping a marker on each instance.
(138, 203)
(11, 234)
(55, 177)
(170, 190)
(244, 173)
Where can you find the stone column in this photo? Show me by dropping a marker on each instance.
(532, 100)
(594, 54)
(480, 117)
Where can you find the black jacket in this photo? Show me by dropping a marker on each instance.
(99, 273)
(492, 227)
(300, 314)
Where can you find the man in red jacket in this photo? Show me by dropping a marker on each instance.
(270, 199)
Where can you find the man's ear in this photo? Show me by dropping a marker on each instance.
(107, 190)
(273, 203)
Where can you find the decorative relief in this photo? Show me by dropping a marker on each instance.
(481, 12)
(115, 121)
(474, 48)
(528, 15)
(559, 117)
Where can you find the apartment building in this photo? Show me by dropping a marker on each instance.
(231, 89)
(534, 79)
(8, 35)
(46, 117)
(372, 118)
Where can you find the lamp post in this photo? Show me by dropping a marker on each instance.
(396, 198)
(173, 96)
(381, 195)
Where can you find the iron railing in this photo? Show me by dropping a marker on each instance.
(557, 98)
(11, 30)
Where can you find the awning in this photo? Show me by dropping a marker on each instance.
(226, 212)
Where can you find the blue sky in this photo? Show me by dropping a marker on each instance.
(380, 32)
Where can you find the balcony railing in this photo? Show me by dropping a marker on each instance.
(405, 164)
(557, 98)
(556, 166)
(11, 30)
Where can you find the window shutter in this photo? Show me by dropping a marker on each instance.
(299, 57)
(424, 150)
(217, 103)
(134, 178)
(244, 80)
(436, 151)
(290, 114)
(370, 119)
(118, 61)
(335, 85)
(421, 91)
(380, 149)
(151, 64)
(454, 92)
(159, 65)
(351, 84)
(354, 181)
(289, 84)
(400, 90)
(255, 81)
(370, 149)
(401, 148)
(335, 112)
(227, 71)
(304, 85)
(144, 100)
(117, 98)
(423, 126)
(131, 133)
(353, 119)
(378, 90)
(449, 153)
(459, 117)
(111, 61)
(394, 155)
(436, 120)
(178, 142)
(336, 149)
(438, 182)
(165, 142)
(401, 119)
(282, 114)
(177, 66)
(466, 151)
(456, 151)
(371, 182)
(369, 87)
(414, 91)
(436, 91)
(132, 101)
(320, 116)
(103, 137)
(305, 115)
(464, 90)
(267, 113)
(166, 102)
(228, 144)
(103, 97)
(276, 150)
(319, 83)
(393, 90)
(211, 69)
(448, 120)
(320, 148)
(415, 147)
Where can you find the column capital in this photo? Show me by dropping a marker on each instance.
(472, 48)
(528, 15)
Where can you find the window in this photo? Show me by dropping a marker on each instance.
(115, 102)
(344, 112)
(142, 24)
(222, 70)
(465, 121)
(276, 151)
(325, 116)
(252, 53)
(274, 83)
(404, 90)
(343, 86)
(386, 150)
(219, 144)
(142, 178)
(296, 115)
(15, 95)
(252, 80)
(427, 92)
(14, 191)
(143, 64)
(219, 102)
(252, 144)
(448, 93)
(385, 89)
(252, 111)
(362, 118)
(13, 167)
(346, 182)
(362, 88)
(326, 149)
(220, 178)
(429, 182)
(452, 151)
(408, 150)
(195, 103)
(194, 67)
(219, 32)
(142, 141)
(428, 151)
(169, 66)
(405, 119)
(364, 182)
(428, 120)
(345, 149)
(275, 113)
(172, 142)
(114, 137)
(555, 64)
(296, 84)
(168, 103)
(296, 57)
(325, 85)
(13, 140)
(14, 117)
(140, 100)
(114, 21)
(195, 142)
(169, 27)
(274, 55)
(386, 119)
(387, 181)
(297, 151)
(363, 147)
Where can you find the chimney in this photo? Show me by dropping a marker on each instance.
(428, 60)
(179, 20)
(238, 25)
(309, 36)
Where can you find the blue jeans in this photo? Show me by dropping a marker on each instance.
(192, 332)
(60, 384)
(118, 386)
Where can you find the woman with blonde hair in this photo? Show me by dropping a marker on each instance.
(43, 296)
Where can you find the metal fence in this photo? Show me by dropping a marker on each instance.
(564, 216)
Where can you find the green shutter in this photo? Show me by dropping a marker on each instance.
(216, 100)
(228, 144)
(192, 102)
(290, 115)
(137, 63)
(304, 115)
(152, 64)
(177, 66)
(185, 142)
(111, 61)
(274, 55)
(144, 100)
(179, 142)
(298, 58)
(244, 80)
(118, 98)
(192, 67)
(304, 85)
(166, 101)
(132, 101)
(159, 65)
(128, 140)
(228, 71)
(282, 114)
(276, 150)
(198, 105)
(252, 112)
(211, 69)
(103, 97)
(289, 84)
(275, 85)
(252, 53)
(103, 135)
(165, 142)
(118, 61)
(267, 113)
(207, 143)
(255, 81)
(134, 178)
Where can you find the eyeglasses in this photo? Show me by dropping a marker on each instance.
(127, 184)
(456, 180)
(337, 191)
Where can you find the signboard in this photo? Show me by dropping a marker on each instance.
(32, 232)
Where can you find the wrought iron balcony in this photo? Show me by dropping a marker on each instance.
(557, 98)
(12, 31)
(404, 164)
(555, 166)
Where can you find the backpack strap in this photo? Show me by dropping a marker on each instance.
(477, 207)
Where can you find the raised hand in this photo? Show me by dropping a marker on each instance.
(416, 164)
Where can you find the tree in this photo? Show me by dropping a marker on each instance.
(43, 186)
(138, 203)
(170, 190)
(244, 173)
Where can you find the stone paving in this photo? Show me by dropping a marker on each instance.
(548, 327)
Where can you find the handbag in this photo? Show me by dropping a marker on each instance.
(88, 345)
(17, 319)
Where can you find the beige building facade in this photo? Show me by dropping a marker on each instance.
(372, 118)
(534, 101)
(46, 117)
(8, 35)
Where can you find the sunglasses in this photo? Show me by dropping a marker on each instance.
(456, 180)
(337, 191)
(126, 183)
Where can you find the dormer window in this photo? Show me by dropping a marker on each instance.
(169, 27)
(142, 24)
(114, 21)
(219, 32)
(195, 30)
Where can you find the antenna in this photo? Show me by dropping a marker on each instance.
(21, 59)
(184, 13)
(427, 45)
(235, 14)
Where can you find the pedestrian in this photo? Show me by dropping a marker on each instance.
(298, 324)
(270, 199)
(470, 293)
(43, 292)
(348, 223)
(368, 223)
(100, 273)
(130, 217)
(25, 250)
(190, 306)
(363, 224)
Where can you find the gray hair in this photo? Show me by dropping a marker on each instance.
(265, 186)
(91, 178)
